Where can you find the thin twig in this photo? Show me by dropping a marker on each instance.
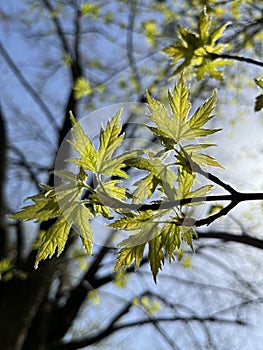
(18, 74)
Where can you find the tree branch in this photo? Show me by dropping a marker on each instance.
(228, 237)
(211, 177)
(58, 27)
(224, 211)
(236, 58)
(129, 43)
(158, 205)
(27, 86)
(235, 198)
(86, 341)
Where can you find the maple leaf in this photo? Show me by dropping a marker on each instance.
(128, 255)
(201, 50)
(63, 203)
(155, 255)
(44, 208)
(171, 130)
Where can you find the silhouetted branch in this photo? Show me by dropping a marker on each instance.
(228, 237)
(86, 341)
(130, 44)
(236, 58)
(27, 86)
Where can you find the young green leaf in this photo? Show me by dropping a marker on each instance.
(204, 26)
(259, 82)
(187, 233)
(179, 100)
(110, 140)
(185, 180)
(55, 237)
(82, 88)
(199, 118)
(160, 116)
(172, 130)
(188, 158)
(80, 216)
(197, 50)
(159, 173)
(170, 239)
(145, 189)
(128, 255)
(83, 146)
(155, 255)
(135, 221)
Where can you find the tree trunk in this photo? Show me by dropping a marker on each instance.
(19, 302)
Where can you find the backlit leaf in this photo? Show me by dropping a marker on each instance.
(179, 100)
(44, 208)
(259, 82)
(170, 239)
(80, 217)
(55, 238)
(83, 146)
(155, 255)
(128, 255)
(194, 50)
(201, 117)
(160, 116)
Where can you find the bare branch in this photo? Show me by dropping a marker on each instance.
(130, 45)
(228, 237)
(27, 86)
(236, 58)
(86, 341)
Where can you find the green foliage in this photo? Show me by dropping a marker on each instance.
(90, 9)
(173, 130)
(171, 176)
(82, 88)
(8, 271)
(151, 30)
(200, 51)
(121, 278)
(158, 208)
(151, 307)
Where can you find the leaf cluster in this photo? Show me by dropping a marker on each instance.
(168, 175)
(199, 50)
